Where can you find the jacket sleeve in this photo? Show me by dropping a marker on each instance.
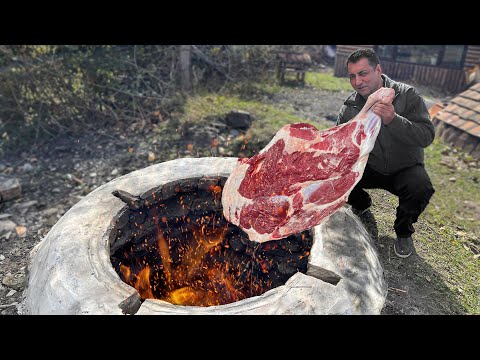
(414, 127)
(344, 115)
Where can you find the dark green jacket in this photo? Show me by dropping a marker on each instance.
(399, 144)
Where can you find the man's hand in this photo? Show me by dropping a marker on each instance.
(385, 111)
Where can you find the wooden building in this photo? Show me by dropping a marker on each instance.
(458, 121)
(445, 67)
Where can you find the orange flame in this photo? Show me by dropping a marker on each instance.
(206, 242)
(165, 255)
(125, 270)
(192, 275)
(186, 296)
(143, 283)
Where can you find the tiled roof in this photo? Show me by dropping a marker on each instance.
(463, 111)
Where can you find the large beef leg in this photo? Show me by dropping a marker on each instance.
(302, 176)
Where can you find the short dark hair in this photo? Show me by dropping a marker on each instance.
(364, 53)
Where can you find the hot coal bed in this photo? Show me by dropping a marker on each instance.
(174, 244)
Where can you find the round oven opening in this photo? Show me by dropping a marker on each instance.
(173, 244)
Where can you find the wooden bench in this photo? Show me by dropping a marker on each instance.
(292, 63)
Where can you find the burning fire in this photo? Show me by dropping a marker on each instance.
(196, 277)
(195, 280)
(201, 259)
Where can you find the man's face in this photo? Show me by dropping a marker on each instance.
(365, 79)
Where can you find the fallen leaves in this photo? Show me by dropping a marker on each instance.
(21, 230)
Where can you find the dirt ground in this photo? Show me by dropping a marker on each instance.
(57, 174)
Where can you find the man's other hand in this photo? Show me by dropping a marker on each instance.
(385, 111)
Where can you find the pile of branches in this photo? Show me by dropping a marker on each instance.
(51, 89)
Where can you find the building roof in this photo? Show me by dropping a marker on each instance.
(463, 111)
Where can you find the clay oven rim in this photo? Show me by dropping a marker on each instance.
(77, 253)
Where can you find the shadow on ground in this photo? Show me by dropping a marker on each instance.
(414, 287)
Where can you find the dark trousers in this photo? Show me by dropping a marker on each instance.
(412, 186)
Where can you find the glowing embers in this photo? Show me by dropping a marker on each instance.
(198, 258)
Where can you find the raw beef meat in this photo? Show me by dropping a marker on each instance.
(302, 176)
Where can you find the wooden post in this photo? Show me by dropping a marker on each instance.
(185, 68)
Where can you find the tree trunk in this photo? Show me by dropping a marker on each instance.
(185, 68)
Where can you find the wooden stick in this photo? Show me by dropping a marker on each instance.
(8, 305)
(400, 290)
(133, 202)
